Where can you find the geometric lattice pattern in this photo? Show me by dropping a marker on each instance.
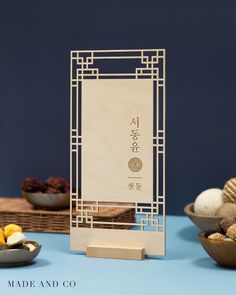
(143, 64)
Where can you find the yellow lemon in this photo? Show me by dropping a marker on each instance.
(2, 237)
(11, 229)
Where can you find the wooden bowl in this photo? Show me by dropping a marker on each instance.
(48, 201)
(202, 221)
(223, 252)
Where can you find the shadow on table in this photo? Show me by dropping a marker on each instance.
(209, 263)
(32, 264)
(170, 255)
(39, 263)
(189, 234)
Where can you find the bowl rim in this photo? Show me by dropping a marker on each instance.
(202, 237)
(36, 244)
(188, 210)
(46, 194)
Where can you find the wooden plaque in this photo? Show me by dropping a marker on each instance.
(118, 147)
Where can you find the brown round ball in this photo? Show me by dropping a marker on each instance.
(231, 232)
(57, 183)
(229, 191)
(31, 184)
(226, 210)
(52, 190)
(226, 222)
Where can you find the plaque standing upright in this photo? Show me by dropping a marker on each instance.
(118, 150)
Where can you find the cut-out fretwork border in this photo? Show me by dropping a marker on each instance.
(144, 64)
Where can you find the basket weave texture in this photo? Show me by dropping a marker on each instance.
(19, 211)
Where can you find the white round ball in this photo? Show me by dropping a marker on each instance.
(16, 238)
(208, 201)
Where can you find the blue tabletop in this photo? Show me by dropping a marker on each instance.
(185, 269)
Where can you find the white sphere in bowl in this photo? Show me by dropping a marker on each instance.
(16, 238)
(208, 201)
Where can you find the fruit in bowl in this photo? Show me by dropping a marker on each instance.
(15, 249)
(54, 193)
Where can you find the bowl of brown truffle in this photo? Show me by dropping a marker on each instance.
(220, 242)
(54, 193)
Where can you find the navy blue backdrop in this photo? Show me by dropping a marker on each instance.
(35, 40)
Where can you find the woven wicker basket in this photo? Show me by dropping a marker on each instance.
(18, 211)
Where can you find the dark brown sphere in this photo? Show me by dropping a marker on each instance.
(31, 184)
(57, 183)
(52, 190)
(227, 222)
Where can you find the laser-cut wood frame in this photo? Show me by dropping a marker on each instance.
(149, 226)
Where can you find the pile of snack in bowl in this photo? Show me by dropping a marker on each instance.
(217, 202)
(11, 237)
(53, 194)
(53, 185)
(214, 211)
(15, 249)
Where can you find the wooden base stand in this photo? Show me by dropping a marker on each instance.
(115, 252)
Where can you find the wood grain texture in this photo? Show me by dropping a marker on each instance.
(153, 242)
(115, 252)
(108, 107)
(223, 252)
(202, 221)
(113, 159)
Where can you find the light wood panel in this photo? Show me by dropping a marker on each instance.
(108, 108)
(119, 163)
(114, 252)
